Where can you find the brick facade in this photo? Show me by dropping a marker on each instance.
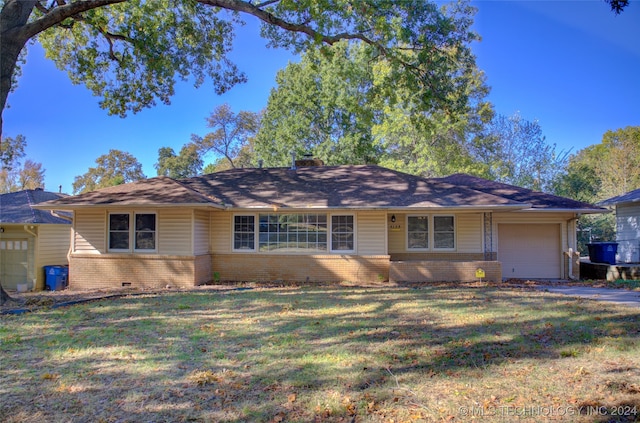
(93, 271)
(443, 271)
(301, 268)
(442, 256)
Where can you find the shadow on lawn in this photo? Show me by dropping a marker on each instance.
(244, 354)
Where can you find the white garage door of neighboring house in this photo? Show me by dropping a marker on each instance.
(529, 250)
(14, 261)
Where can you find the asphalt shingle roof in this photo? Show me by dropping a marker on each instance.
(629, 197)
(357, 186)
(363, 186)
(160, 191)
(537, 199)
(16, 207)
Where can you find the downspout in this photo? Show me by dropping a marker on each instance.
(570, 252)
(30, 231)
(54, 214)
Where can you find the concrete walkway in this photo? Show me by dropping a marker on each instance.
(618, 296)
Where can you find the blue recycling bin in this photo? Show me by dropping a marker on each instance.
(603, 252)
(56, 277)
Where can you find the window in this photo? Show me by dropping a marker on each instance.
(244, 233)
(417, 232)
(342, 233)
(144, 232)
(443, 232)
(294, 232)
(119, 231)
(286, 232)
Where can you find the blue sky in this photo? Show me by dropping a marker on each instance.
(572, 65)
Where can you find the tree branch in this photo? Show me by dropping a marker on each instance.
(61, 13)
(251, 9)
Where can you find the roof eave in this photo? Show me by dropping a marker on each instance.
(618, 203)
(565, 210)
(127, 206)
(276, 207)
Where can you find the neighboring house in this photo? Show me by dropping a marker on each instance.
(30, 238)
(320, 223)
(627, 208)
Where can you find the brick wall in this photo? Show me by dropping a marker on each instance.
(203, 269)
(435, 271)
(301, 268)
(440, 256)
(93, 271)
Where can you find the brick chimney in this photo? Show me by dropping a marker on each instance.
(309, 161)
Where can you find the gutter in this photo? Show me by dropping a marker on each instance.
(72, 207)
(410, 209)
(577, 211)
(54, 214)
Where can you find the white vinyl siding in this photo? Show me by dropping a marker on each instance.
(89, 235)
(371, 232)
(469, 228)
(174, 232)
(201, 232)
(221, 230)
(628, 232)
(53, 244)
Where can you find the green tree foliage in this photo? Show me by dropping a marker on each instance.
(14, 174)
(604, 170)
(325, 105)
(438, 143)
(333, 105)
(111, 169)
(520, 154)
(132, 52)
(617, 6)
(599, 172)
(185, 165)
(231, 135)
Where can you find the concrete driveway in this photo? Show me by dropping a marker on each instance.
(618, 296)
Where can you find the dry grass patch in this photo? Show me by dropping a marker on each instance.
(324, 354)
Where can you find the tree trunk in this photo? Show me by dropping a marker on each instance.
(4, 297)
(14, 15)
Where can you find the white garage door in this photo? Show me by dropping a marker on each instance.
(13, 262)
(529, 251)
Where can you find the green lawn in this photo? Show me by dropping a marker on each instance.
(324, 354)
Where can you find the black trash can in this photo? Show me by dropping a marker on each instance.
(603, 252)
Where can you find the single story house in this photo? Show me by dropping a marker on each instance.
(31, 238)
(317, 223)
(627, 209)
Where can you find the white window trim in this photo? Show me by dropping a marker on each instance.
(329, 250)
(117, 250)
(132, 232)
(429, 233)
(433, 232)
(255, 233)
(355, 232)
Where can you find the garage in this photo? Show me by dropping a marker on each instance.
(13, 262)
(539, 257)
